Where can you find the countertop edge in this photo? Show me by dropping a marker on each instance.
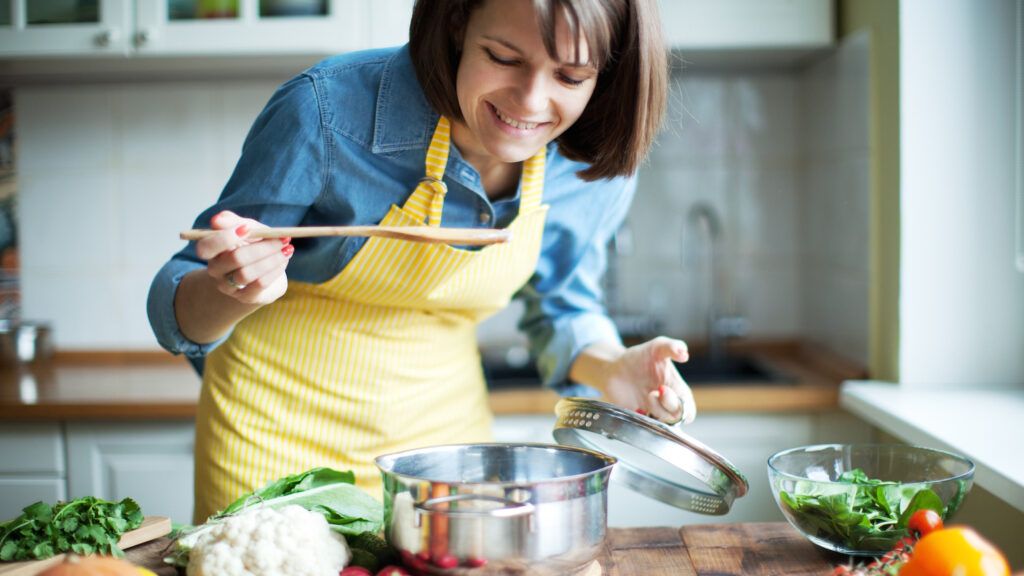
(998, 470)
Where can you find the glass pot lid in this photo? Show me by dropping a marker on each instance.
(655, 459)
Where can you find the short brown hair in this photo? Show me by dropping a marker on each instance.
(624, 113)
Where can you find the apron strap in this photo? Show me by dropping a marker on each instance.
(427, 200)
(532, 182)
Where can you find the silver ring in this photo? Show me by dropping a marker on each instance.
(231, 281)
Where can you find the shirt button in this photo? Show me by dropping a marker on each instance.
(485, 217)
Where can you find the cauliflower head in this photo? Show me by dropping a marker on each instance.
(289, 541)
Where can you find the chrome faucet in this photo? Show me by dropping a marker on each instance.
(703, 219)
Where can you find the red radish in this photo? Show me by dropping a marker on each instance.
(392, 571)
(474, 562)
(355, 571)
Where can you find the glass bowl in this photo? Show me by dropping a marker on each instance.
(856, 498)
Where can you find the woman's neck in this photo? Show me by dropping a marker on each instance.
(498, 178)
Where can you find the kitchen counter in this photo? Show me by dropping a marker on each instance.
(144, 385)
(748, 549)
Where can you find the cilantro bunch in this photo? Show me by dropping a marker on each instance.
(84, 526)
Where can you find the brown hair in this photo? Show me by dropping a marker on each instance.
(624, 38)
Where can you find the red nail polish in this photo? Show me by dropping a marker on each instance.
(661, 391)
(641, 411)
(286, 240)
(288, 250)
(242, 230)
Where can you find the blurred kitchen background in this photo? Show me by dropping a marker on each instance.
(835, 189)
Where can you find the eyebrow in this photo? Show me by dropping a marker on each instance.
(517, 50)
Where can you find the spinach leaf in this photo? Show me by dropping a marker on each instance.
(857, 512)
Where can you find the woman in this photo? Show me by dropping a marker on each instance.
(526, 114)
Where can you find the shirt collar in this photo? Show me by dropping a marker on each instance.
(404, 119)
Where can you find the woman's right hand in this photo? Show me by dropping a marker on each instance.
(250, 270)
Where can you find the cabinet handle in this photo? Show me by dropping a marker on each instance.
(106, 38)
(144, 36)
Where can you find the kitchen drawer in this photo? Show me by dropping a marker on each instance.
(31, 448)
(16, 493)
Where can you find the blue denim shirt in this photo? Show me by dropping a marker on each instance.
(343, 141)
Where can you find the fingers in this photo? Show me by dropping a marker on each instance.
(664, 348)
(252, 274)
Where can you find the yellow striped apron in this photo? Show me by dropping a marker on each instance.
(380, 358)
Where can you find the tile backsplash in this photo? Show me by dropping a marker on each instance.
(109, 174)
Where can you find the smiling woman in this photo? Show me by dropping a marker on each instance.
(589, 59)
(526, 115)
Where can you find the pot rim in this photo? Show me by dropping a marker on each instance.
(381, 461)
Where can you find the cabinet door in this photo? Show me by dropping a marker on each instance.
(750, 24)
(249, 27)
(65, 27)
(150, 462)
(18, 492)
(31, 448)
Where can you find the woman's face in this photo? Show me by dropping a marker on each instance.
(514, 98)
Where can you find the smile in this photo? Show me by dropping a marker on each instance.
(517, 124)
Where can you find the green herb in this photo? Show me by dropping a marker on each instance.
(857, 512)
(84, 526)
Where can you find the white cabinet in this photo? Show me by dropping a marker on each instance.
(162, 28)
(746, 440)
(698, 25)
(151, 462)
(52, 28)
(31, 465)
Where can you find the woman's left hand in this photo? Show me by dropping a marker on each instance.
(643, 378)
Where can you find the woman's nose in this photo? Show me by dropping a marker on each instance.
(533, 95)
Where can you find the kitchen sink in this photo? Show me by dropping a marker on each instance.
(698, 371)
(701, 370)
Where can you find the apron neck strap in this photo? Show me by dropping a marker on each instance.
(427, 201)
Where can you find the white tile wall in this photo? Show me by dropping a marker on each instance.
(782, 157)
(109, 174)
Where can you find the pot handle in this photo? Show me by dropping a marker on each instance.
(512, 508)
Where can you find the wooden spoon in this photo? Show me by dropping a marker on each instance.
(458, 236)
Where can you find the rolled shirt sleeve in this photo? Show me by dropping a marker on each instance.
(564, 310)
(265, 185)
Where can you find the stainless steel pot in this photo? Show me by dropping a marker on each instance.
(496, 508)
(23, 341)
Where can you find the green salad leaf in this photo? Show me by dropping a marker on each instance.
(858, 512)
(333, 493)
(84, 526)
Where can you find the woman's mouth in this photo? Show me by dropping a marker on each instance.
(512, 124)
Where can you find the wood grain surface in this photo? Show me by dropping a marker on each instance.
(751, 549)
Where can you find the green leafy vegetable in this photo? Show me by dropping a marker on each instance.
(858, 512)
(332, 493)
(84, 526)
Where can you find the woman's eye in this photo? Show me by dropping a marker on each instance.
(497, 60)
(570, 80)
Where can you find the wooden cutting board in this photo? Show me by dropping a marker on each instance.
(152, 527)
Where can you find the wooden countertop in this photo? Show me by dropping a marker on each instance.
(765, 549)
(143, 385)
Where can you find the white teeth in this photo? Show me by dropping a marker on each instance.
(515, 123)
